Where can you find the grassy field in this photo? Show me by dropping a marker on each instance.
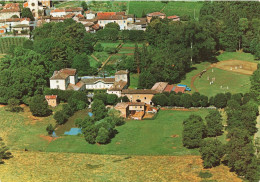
(236, 56)
(7, 42)
(171, 8)
(236, 83)
(50, 167)
(102, 56)
(92, 62)
(22, 130)
(147, 137)
(110, 44)
(68, 4)
(133, 80)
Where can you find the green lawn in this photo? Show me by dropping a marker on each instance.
(171, 8)
(102, 56)
(237, 83)
(68, 4)
(147, 137)
(133, 80)
(110, 44)
(236, 56)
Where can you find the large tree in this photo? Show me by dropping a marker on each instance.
(39, 106)
(99, 109)
(214, 123)
(194, 131)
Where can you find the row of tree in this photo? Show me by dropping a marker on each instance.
(220, 100)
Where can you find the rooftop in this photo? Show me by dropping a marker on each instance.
(159, 86)
(118, 86)
(121, 105)
(156, 14)
(51, 96)
(95, 80)
(63, 73)
(179, 89)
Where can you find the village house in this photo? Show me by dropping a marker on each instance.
(138, 24)
(90, 14)
(139, 95)
(121, 82)
(9, 10)
(174, 18)
(52, 100)
(66, 79)
(149, 16)
(17, 24)
(136, 110)
(112, 17)
(65, 11)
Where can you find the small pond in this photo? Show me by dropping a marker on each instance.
(70, 126)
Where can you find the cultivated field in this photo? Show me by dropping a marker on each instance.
(170, 8)
(50, 167)
(7, 42)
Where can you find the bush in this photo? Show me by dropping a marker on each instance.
(60, 117)
(111, 99)
(13, 105)
(102, 136)
(50, 129)
(205, 174)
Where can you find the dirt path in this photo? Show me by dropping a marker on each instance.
(92, 55)
(106, 61)
(194, 78)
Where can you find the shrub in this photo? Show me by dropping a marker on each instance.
(102, 136)
(60, 117)
(39, 106)
(50, 129)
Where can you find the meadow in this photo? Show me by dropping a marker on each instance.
(237, 56)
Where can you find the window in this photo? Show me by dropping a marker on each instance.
(58, 86)
(140, 107)
(144, 98)
(124, 21)
(135, 106)
(57, 81)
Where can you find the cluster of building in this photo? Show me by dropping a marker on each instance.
(140, 100)
(10, 17)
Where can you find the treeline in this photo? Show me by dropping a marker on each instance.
(234, 25)
(220, 100)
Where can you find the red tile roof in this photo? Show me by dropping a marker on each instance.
(120, 13)
(51, 96)
(74, 9)
(156, 14)
(15, 20)
(173, 17)
(168, 88)
(139, 91)
(104, 15)
(63, 73)
(179, 89)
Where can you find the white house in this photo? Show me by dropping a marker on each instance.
(90, 14)
(112, 17)
(15, 23)
(121, 82)
(61, 79)
(58, 12)
(98, 83)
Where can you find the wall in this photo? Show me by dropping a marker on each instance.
(61, 83)
(121, 23)
(99, 85)
(136, 108)
(146, 98)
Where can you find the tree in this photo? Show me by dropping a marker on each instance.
(112, 26)
(50, 129)
(89, 129)
(111, 99)
(4, 153)
(98, 47)
(204, 101)
(160, 99)
(220, 100)
(84, 6)
(100, 96)
(13, 105)
(255, 86)
(26, 13)
(99, 109)
(240, 154)
(195, 97)
(214, 123)
(39, 106)
(186, 100)
(81, 63)
(193, 131)
(102, 136)
(60, 117)
(14, 16)
(211, 151)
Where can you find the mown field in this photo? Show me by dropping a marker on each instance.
(170, 8)
(6, 42)
(236, 56)
(50, 167)
(230, 82)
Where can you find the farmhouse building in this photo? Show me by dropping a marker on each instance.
(9, 10)
(139, 95)
(66, 79)
(52, 100)
(135, 110)
(156, 15)
(18, 24)
(161, 87)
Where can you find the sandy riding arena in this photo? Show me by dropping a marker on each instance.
(242, 67)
